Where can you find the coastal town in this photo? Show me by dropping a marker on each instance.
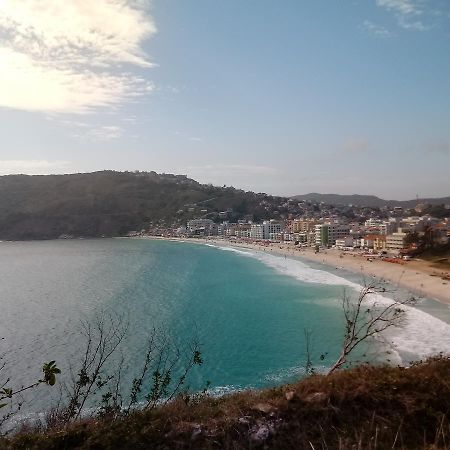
(395, 232)
(379, 244)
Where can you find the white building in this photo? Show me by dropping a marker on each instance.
(396, 241)
(413, 223)
(272, 229)
(383, 226)
(256, 231)
(346, 242)
(266, 230)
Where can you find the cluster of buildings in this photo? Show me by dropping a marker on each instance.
(267, 230)
(391, 235)
(312, 224)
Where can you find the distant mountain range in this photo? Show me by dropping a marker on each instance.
(368, 200)
(110, 203)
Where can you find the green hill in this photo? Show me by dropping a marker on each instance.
(112, 203)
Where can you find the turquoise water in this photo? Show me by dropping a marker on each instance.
(248, 310)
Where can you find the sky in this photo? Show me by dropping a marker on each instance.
(284, 97)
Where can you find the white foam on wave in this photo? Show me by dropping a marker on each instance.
(420, 335)
(293, 373)
(234, 250)
(220, 391)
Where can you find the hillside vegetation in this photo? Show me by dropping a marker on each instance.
(439, 256)
(364, 408)
(112, 203)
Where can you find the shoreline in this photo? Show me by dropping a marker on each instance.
(414, 276)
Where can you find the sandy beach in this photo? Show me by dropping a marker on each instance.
(416, 276)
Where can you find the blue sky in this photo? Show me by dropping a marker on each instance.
(283, 97)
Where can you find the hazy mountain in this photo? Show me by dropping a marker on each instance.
(368, 200)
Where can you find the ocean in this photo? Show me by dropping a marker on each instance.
(248, 310)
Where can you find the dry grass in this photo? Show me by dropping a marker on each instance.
(365, 408)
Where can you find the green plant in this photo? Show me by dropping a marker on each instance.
(96, 387)
(8, 394)
(157, 378)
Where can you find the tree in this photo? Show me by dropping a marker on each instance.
(102, 337)
(8, 394)
(96, 384)
(365, 320)
(412, 238)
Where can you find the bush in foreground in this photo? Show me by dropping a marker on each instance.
(363, 408)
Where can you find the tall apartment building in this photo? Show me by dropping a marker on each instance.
(272, 229)
(327, 233)
(256, 231)
(265, 230)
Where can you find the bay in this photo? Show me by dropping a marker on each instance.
(248, 312)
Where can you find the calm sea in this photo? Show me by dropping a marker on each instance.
(248, 310)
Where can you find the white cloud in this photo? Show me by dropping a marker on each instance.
(401, 6)
(101, 133)
(376, 30)
(409, 24)
(32, 167)
(407, 12)
(70, 56)
(88, 131)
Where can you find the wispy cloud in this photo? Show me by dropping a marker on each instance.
(32, 167)
(188, 136)
(376, 30)
(101, 133)
(401, 6)
(168, 88)
(73, 55)
(410, 14)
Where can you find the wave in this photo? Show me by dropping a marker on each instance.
(419, 336)
(234, 250)
(220, 391)
(293, 373)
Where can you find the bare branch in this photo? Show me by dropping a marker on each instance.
(364, 320)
